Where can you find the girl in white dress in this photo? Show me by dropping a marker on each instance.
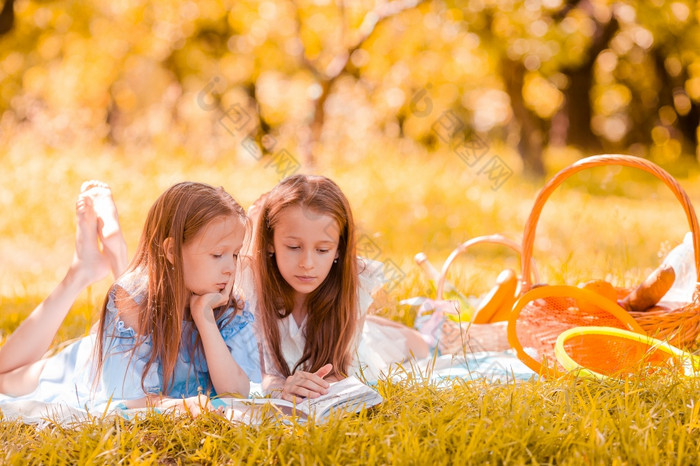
(313, 293)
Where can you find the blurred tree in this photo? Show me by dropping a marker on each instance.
(326, 72)
(665, 38)
(314, 76)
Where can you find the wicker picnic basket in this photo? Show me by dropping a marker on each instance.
(543, 312)
(458, 336)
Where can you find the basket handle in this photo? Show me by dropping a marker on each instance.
(595, 161)
(492, 239)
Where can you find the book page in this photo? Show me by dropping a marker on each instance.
(349, 394)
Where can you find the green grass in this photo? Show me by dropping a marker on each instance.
(602, 224)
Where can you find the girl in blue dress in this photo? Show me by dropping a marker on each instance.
(169, 329)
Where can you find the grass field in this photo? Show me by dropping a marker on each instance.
(612, 223)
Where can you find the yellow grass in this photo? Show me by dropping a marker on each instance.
(606, 223)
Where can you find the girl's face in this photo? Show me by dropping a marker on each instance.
(209, 258)
(305, 246)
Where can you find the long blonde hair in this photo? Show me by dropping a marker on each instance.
(179, 213)
(332, 315)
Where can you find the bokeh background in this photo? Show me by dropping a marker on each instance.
(439, 119)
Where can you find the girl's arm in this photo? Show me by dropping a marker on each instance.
(226, 375)
(272, 384)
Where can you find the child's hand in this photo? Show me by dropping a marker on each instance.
(201, 306)
(306, 384)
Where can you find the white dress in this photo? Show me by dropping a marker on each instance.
(377, 346)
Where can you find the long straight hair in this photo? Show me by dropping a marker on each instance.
(180, 213)
(332, 314)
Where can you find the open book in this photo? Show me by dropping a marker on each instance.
(348, 395)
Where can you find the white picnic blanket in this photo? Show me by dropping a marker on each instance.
(496, 367)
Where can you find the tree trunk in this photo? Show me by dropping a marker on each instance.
(577, 108)
(578, 111)
(7, 17)
(308, 147)
(530, 125)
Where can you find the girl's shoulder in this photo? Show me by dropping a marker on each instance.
(133, 283)
(126, 296)
(245, 285)
(371, 274)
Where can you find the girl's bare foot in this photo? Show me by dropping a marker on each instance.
(109, 230)
(89, 264)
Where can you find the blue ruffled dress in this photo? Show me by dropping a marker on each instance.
(68, 376)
